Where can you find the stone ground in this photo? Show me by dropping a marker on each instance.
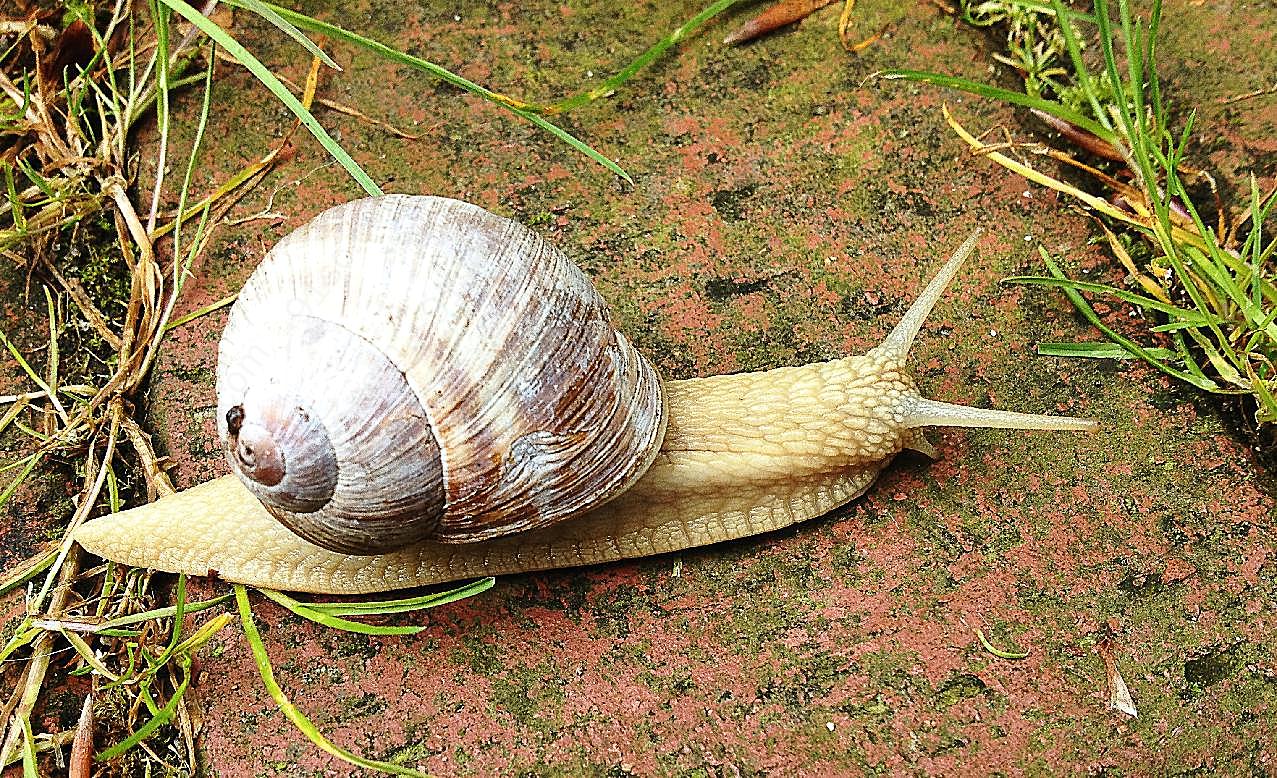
(786, 208)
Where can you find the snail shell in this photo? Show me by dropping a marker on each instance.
(403, 368)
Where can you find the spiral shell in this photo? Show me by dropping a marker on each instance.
(407, 367)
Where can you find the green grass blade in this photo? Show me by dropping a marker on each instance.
(299, 608)
(161, 17)
(179, 274)
(17, 481)
(1221, 364)
(203, 634)
(1139, 74)
(144, 693)
(1173, 251)
(17, 208)
(1134, 68)
(29, 569)
(160, 718)
(1003, 95)
(610, 85)
(1186, 355)
(1194, 318)
(1208, 264)
(207, 309)
(1267, 411)
(163, 613)
(285, 27)
(23, 636)
(574, 142)
(1134, 348)
(1080, 70)
(443, 74)
(179, 612)
(22, 363)
(1224, 282)
(1258, 213)
(29, 769)
(329, 613)
(1172, 326)
(53, 358)
(290, 711)
(1105, 26)
(41, 183)
(386, 52)
(1098, 351)
(87, 656)
(1150, 67)
(277, 88)
(405, 605)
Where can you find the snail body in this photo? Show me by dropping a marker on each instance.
(695, 462)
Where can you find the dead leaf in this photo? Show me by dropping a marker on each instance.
(1119, 698)
(844, 30)
(1079, 137)
(776, 16)
(72, 50)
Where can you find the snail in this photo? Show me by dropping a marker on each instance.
(412, 390)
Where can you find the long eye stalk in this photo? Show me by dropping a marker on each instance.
(924, 412)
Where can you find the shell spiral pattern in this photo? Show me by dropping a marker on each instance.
(408, 367)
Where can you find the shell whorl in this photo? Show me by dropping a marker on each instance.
(415, 367)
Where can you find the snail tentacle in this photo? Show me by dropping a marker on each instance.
(901, 338)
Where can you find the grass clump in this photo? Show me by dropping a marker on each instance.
(1208, 279)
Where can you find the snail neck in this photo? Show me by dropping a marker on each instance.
(812, 418)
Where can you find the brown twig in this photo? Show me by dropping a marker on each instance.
(1248, 95)
(75, 290)
(158, 483)
(80, 765)
(1079, 137)
(352, 112)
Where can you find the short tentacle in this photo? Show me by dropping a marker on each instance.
(901, 338)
